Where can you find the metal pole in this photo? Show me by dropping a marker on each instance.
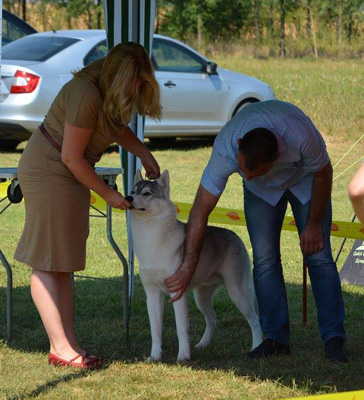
(123, 261)
(9, 297)
(342, 243)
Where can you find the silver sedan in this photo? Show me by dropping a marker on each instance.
(198, 97)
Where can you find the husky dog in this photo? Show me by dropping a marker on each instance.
(159, 245)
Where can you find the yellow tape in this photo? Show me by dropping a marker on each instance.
(358, 395)
(352, 230)
(225, 216)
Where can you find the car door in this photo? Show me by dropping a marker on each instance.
(192, 99)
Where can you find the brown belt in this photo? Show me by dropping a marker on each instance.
(50, 138)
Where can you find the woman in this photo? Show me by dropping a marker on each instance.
(56, 174)
(356, 193)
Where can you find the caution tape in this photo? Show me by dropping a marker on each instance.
(358, 395)
(225, 216)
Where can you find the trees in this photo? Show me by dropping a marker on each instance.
(309, 26)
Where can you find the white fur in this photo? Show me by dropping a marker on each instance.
(158, 244)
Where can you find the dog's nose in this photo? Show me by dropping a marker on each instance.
(129, 198)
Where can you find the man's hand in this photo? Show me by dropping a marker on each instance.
(204, 203)
(311, 240)
(179, 281)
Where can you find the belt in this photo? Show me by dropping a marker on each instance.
(49, 137)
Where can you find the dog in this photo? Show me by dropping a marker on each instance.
(159, 245)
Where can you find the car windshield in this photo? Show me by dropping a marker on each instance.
(36, 48)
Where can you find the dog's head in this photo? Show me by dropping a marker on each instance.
(148, 196)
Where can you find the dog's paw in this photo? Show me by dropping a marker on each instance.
(152, 359)
(201, 345)
(183, 357)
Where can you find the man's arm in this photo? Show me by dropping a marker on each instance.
(204, 203)
(311, 239)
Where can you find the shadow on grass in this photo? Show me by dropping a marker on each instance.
(181, 144)
(99, 315)
(49, 385)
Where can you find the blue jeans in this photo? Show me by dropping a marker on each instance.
(264, 223)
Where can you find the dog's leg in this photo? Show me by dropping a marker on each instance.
(243, 295)
(182, 323)
(204, 300)
(155, 306)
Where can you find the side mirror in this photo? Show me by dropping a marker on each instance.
(210, 68)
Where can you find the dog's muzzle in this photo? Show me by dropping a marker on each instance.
(130, 200)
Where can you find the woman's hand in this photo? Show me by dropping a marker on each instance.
(152, 170)
(116, 200)
(131, 143)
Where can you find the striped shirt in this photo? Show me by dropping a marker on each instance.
(302, 151)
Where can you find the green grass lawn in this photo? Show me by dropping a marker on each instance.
(331, 92)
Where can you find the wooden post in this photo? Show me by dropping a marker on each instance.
(304, 294)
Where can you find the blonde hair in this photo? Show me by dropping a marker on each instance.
(126, 81)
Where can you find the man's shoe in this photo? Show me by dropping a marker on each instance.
(334, 350)
(269, 347)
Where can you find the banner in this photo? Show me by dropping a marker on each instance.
(353, 268)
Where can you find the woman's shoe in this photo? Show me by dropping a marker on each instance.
(92, 357)
(89, 364)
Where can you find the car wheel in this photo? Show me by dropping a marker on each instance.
(243, 104)
(8, 145)
(163, 141)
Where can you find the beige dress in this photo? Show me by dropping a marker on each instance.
(56, 203)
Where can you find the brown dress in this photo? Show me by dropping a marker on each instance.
(56, 203)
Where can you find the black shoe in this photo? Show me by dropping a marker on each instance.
(269, 347)
(334, 350)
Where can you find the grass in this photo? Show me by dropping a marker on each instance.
(331, 93)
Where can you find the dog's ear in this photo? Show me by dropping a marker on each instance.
(138, 177)
(163, 182)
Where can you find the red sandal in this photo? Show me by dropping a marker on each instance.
(91, 363)
(95, 358)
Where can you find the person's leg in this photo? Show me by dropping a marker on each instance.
(66, 309)
(264, 223)
(324, 276)
(45, 290)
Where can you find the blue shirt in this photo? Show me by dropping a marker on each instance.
(302, 151)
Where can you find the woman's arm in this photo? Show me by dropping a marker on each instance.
(75, 141)
(131, 143)
(356, 193)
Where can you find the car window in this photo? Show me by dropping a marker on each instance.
(99, 51)
(36, 48)
(11, 31)
(171, 57)
(14, 28)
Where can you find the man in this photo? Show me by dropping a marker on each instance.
(282, 158)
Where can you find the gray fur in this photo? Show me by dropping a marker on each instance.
(158, 244)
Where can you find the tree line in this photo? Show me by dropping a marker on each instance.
(280, 24)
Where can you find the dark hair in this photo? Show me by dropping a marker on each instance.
(259, 146)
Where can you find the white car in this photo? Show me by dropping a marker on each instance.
(198, 97)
